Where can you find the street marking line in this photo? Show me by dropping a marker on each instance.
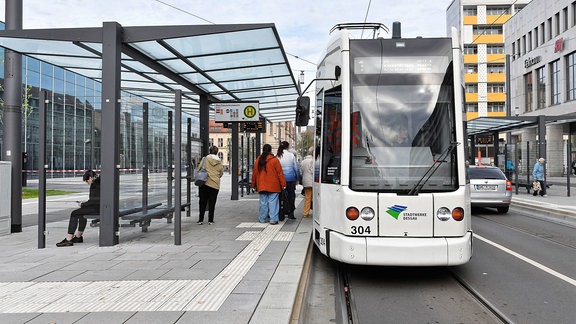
(528, 260)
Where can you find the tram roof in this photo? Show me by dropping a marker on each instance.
(244, 62)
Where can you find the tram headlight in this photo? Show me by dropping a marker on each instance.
(443, 214)
(352, 213)
(367, 213)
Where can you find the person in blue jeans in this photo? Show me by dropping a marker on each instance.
(268, 179)
(291, 171)
(538, 175)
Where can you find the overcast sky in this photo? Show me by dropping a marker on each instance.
(303, 25)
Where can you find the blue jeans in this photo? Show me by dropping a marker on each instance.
(268, 203)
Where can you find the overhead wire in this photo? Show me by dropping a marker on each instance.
(366, 17)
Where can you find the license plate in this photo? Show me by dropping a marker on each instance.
(486, 187)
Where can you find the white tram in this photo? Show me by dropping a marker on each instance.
(390, 185)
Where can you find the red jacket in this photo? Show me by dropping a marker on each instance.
(270, 179)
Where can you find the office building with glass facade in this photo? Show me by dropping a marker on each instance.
(74, 122)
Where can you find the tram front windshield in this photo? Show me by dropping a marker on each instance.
(402, 122)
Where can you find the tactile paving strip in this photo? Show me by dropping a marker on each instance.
(141, 295)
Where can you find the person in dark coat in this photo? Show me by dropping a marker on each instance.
(91, 207)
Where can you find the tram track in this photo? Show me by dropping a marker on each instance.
(481, 299)
(434, 294)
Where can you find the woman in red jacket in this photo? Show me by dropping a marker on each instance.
(269, 180)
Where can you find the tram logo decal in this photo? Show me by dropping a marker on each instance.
(395, 210)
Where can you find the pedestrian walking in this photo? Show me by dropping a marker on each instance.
(268, 179)
(77, 222)
(291, 171)
(209, 191)
(307, 173)
(538, 175)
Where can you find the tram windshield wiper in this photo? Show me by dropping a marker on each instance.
(432, 169)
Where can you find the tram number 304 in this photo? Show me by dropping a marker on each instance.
(360, 230)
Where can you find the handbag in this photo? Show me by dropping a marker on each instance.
(201, 175)
(536, 186)
(287, 206)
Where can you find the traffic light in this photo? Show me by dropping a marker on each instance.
(302, 111)
(24, 158)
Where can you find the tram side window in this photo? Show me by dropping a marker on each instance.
(332, 135)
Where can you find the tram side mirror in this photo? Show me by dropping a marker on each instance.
(302, 111)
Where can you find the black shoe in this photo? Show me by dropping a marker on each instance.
(273, 223)
(291, 217)
(199, 223)
(64, 242)
(77, 239)
(210, 223)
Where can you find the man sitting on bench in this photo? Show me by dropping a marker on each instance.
(90, 207)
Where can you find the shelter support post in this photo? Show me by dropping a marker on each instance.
(188, 164)
(42, 172)
(542, 136)
(234, 166)
(12, 148)
(145, 166)
(204, 125)
(109, 197)
(177, 167)
(170, 175)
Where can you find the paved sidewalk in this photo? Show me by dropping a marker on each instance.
(235, 271)
(556, 204)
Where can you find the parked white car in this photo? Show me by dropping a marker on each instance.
(489, 187)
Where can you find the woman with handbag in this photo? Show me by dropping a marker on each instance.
(268, 179)
(291, 171)
(208, 192)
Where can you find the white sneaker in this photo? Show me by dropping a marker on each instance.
(199, 223)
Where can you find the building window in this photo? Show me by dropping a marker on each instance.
(471, 88)
(557, 24)
(496, 68)
(573, 10)
(496, 11)
(472, 107)
(555, 82)
(470, 11)
(528, 98)
(495, 107)
(495, 49)
(471, 49)
(542, 34)
(495, 88)
(211, 142)
(220, 142)
(571, 76)
(487, 30)
(549, 25)
(470, 68)
(529, 42)
(535, 37)
(565, 19)
(540, 88)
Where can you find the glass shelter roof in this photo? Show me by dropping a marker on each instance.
(224, 62)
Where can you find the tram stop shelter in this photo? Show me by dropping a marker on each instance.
(184, 68)
(496, 125)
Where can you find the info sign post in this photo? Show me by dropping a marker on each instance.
(229, 112)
